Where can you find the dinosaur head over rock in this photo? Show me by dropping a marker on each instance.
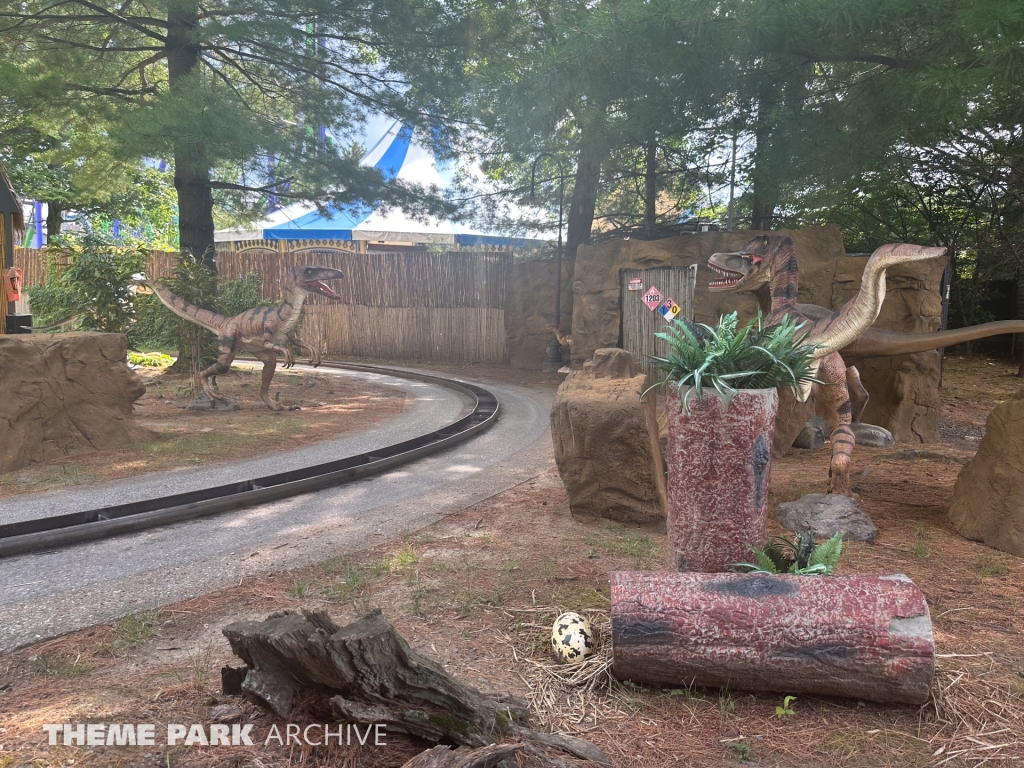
(747, 269)
(310, 279)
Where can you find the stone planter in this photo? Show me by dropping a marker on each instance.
(719, 472)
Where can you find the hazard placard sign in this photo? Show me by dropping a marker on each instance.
(669, 309)
(652, 298)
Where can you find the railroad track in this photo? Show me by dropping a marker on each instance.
(49, 533)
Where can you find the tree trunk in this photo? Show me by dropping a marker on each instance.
(650, 186)
(54, 220)
(584, 196)
(445, 757)
(860, 637)
(1018, 313)
(191, 160)
(366, 673)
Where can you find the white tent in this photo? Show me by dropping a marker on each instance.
(398, 156)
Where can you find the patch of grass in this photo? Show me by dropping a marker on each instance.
(61, 664)
(298, 588)
(993, 567)
(922, 546)
(348, 578)
(742, 750)
(628, 543)
(726, 704)
(855, 748)
(70, 474)
(403, 559)
(199, 671)
(133, 631)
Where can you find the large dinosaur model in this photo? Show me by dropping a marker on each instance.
(262, 331)
(772, 259)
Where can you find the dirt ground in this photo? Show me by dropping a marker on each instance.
(478, 591)
(329, 407)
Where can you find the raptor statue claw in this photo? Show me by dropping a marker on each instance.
(261, 330)
(771, 260)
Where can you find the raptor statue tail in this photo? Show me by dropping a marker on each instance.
(211, 321)
(879, 343)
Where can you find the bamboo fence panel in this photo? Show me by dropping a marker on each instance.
(413, 306)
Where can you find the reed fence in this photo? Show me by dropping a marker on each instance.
(411, 306)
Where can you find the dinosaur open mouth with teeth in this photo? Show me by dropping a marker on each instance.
(313, 277)
(728, 279)
(315, 286)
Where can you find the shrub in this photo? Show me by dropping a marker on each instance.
(90, 277)
(729, 358)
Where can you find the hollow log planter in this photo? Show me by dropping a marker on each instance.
(861, 637)
(719, 471)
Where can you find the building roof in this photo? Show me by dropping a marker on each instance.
(9, 202)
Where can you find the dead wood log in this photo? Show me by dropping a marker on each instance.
(862, 637)
(444, 757)
(366, 673)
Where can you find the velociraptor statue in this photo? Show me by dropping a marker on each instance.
(772, 259)
(262, 331)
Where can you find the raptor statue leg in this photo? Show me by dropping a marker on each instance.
(858, 395)
(225, 356)
(269, 360)
(314, 353)
(834, 404)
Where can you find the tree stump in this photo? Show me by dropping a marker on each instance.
(367, 673)
(463, 757)
(862, 637)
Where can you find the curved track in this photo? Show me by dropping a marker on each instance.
(52, 531)
(48, 593)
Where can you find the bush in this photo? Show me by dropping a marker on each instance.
(729, 358)
(91, 277)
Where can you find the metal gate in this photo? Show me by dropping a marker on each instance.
(640, 323)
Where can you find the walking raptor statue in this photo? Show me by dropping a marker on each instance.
(263, 331)
(771, 259)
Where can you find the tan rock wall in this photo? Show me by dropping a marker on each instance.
(64, 394)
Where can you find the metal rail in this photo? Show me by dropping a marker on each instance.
(62, 530)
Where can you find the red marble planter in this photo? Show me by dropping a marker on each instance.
(719, 472)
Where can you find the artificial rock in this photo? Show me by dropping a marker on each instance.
(65, 394)
(606, 441)
(988, 498)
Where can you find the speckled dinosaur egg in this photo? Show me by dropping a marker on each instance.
(572, 639)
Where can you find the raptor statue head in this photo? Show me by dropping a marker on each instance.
(310, 279)
(746, 270)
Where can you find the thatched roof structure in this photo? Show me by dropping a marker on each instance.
(9, 203)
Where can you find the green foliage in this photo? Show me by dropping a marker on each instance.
(786, 710)
(730, 359)
(150, 360)
(236, 296)
(797, 556)
(91, 277)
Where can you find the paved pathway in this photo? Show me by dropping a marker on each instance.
(50, 593)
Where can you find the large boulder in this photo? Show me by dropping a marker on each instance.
(65, 394)
(606, 441)
(988, 498)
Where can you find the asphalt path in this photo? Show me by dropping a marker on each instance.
(50, 593)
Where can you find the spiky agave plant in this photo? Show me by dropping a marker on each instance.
(729, 358)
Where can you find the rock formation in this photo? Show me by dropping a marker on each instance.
(606, 441)
(988, 498)
(65, 394)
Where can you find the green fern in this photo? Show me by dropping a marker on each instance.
(798, 556)
(729, 358)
